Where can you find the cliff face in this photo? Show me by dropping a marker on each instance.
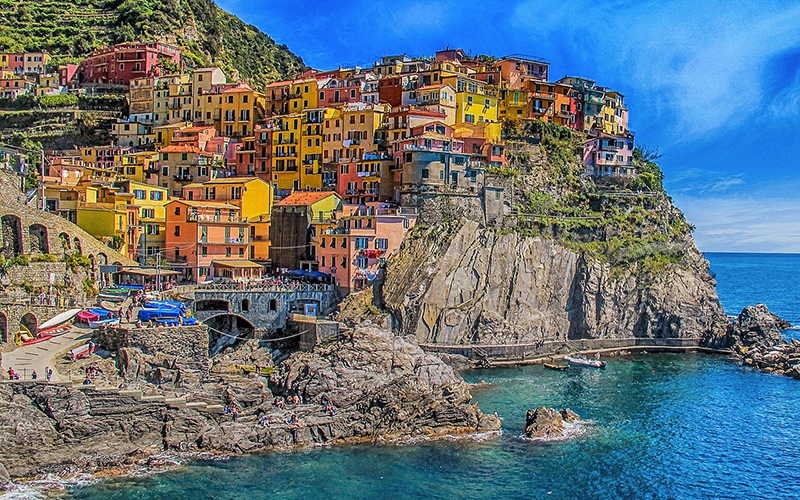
(572, 258)
(484, 287)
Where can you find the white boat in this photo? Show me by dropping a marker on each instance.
(104, 322)
(594, 363)
(59, 319)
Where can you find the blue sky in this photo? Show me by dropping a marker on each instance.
(714, 84)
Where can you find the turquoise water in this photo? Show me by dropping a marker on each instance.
(663, 426)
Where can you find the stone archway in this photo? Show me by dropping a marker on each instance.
(102, 259)
(38, 239)
(66, 243)
(12, 236)
(226, 330)
(29, 321)
(77, 244)
(3, 327)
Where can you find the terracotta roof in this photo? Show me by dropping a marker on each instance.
(194, 129)
(284, 83)
(438, 86)
(299, 198)
(184, 149)
(232, 180)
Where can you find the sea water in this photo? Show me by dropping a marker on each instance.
(659, 426)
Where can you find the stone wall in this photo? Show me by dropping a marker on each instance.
(187, 343)
(267, 311)
(31, 231)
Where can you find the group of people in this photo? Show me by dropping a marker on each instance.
(48, 373)
(91, 372)
(290, 400)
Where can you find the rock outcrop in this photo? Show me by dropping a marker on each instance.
(548, 423)
(371, 386)
(477, 286)
(757, 325)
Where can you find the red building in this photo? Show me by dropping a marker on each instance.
(390, 90)
(124, 62)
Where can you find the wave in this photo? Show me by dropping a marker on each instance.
(570, 430)
(46, 486)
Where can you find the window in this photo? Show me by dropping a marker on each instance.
(177, 210)
(361, 243)
(227, 251)
(323, 261)
(148, 213)
(138, 194)
(361, 262)
(164, 156)
(152, 229)
(245, 304)
(426, 173)
(469, 118)
(204, 251)
(241, 252)
(273, 304)
(344, 262)
(177, 231)
(381, 243)
(156, 195)
(344, 243)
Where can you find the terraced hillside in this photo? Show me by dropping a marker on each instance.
(208, 35)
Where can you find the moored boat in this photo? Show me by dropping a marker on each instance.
(594, 363)
(554, 366)
(104, 322)
(58, 320)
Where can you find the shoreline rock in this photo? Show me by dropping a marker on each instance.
(756, 334)
(380, 387)
(548, 423)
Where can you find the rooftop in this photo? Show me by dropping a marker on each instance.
(299, 198)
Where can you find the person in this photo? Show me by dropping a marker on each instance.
(48, 373)
(138, 323)
(88, 380)
(235, 412)
(226, 410)
(34, 376)
(329, 407)
(293, 420)
(264, 421)
(72, 355)
(280, 403)
(11, 374)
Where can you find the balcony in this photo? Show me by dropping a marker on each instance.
(192, 217)
(183, 177)
(286, 141)
(544, 95)
(373, 173)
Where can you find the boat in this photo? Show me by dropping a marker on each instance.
(58, 319)
(554, 366)
(594, 363)
(114, 294)
(104, 322)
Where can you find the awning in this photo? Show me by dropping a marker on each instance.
(139, 271)
(236, 264)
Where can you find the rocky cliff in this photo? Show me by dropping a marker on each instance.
(380, 387)
(573, 258)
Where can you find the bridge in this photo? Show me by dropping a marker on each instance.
(232, 307)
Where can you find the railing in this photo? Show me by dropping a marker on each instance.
(41, 300)
(190, 217)
(289, 286)
(183, 177)
(373, 173)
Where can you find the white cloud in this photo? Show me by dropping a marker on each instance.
(743, 224)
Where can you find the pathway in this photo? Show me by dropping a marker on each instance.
(24, 360)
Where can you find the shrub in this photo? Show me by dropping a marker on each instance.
(58, 101)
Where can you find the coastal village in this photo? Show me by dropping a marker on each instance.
(213, 179)
(247, 267)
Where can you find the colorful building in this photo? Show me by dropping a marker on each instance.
(204, 236)
(355, 250)
(121, 63)
(609, 155)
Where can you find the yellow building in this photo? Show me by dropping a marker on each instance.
(140, 167)
(103, 213)
(180, 102)
(149, 202)
(312, 140)
(285, 151)
(350, 133)
(475, 103)
(303, 95)
(164, 133)
(240, 110)
(513, 104)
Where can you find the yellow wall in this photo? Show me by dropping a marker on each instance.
(104, 223)
(286, 142)
(304, 95)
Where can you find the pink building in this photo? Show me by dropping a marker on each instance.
(336, 91)
(609, 155)
(355, 250)
(124, 62)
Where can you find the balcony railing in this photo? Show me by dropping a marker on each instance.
(191, 217)
(183, 177)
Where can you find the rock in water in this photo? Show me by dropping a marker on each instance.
(548, 423)
(756, 325)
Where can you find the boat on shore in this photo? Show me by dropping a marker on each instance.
(104, 322)
(554, 366)
(581, 361)
(58, 320)
(114, 294)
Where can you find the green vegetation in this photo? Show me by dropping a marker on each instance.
(502, 171)
(75, 262)
(90, 287)
(47, 257)
(627, 222)
(58, 101)
(207, 34)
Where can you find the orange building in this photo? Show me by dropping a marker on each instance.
(208, 239)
